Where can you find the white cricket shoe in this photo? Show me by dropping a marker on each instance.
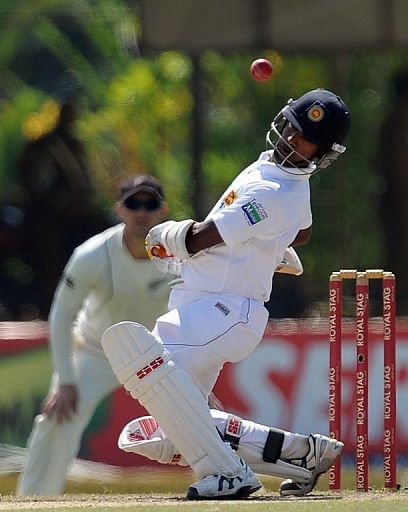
(322, 454)
(219, 487)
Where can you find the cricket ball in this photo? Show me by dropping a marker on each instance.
(159, 251)
(261, 70)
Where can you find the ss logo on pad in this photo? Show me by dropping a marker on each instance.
(141, 374)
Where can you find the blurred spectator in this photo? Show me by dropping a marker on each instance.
(17, 295)
(392, 165)
(60, 210)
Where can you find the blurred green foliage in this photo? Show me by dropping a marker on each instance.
(136, 116)
(13, 114)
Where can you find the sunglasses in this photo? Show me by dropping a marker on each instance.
(131, 203)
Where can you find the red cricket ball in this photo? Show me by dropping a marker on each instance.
(159, 251)
(261, 70)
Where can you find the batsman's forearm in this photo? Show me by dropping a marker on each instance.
(202, 235)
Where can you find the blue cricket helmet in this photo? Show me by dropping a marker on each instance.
(321, 116)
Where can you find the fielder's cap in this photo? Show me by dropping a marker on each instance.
(140, 183)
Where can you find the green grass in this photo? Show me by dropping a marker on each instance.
(164, 490)
(318, 502)
(152, 481)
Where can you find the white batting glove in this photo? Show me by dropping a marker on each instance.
(170, 265)
(172, 236)
(290, 264)
(167, 263)
(155, 236)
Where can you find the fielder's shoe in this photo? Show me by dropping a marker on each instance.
(218, 487)
(322, 454)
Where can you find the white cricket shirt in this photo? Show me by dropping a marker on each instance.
(258, 217)
(103, 284)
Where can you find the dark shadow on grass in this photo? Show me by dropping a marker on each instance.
(257, 499)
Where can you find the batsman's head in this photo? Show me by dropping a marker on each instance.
(141, 204)
(309, 133)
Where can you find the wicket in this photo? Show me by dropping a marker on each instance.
(361, 390)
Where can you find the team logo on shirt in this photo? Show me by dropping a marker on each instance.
(69, 281)
(230, 198)
(157, 284)
(254, 212)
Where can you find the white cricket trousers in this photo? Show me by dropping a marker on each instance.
(203, 331)
(53, 446)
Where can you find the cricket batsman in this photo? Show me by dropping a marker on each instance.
(217, 314)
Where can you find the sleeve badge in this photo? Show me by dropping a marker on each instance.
(230, 198)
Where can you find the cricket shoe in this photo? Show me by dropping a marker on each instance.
(220, 487)
(322, 454)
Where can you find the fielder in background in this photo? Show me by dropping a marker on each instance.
(217, 314)
(109, 278)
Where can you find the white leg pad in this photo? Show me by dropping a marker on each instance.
(250, 440)
(144, 437)
(146, 370)
(279, 469)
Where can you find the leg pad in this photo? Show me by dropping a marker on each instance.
(146, 370)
